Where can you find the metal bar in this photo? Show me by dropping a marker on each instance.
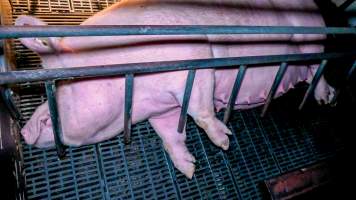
(279, 76)
(346, 4)
(235, 91)
(128, 107)
(296, 183)
(53, 110)
(185, 104)
(6, 93)
(351, 71)
(314, 83)
(110, 30)
(99, 160)
(150, 67)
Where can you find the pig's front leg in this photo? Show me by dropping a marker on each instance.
(165, 126)
(201, 108)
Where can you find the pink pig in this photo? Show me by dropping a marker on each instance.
(91, 110)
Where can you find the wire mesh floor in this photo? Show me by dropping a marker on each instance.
(260, 148)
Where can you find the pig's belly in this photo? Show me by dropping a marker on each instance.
(257, 81)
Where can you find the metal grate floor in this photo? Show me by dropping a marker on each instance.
(259, 149)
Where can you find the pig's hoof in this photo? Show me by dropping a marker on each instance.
(220, 139)
(324, 94)
(181, 158)
(186, 167)
(185, 163)
(217, 132)
(225, 144)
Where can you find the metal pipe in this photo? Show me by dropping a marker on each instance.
(56, 123)
(235, 91)
(110, 30)
(140, 68)
(186, 98)
(346, 4)
(279, 76)
(351, 71)
(6, 94)
(128, 107)
(314, 83)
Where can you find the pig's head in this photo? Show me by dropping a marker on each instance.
(39, 45)
(38, 130)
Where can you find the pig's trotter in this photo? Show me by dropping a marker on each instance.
(181, 158)
(216, 131)
(174, 143)
(324, 93)
(201, 108)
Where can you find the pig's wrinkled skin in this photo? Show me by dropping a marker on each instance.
(91, 110)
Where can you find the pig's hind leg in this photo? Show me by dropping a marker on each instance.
(324, 93)
(201, 108)
(174, 143)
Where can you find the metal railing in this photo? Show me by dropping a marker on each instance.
(50, 76)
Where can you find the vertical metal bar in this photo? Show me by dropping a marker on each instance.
(351, 71)
(128, 107)
(56, 123)
(314, 82)
(7, 94)
(279, 76)
(187, 93)
(235, 91)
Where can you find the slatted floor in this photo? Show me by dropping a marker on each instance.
(260, 148)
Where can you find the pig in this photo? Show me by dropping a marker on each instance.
(91, 110)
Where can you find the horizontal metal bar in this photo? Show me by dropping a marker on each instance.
(56, 123)
(234, 92)
(314, 83)
(128, 107)
(186, 98)
(279, 76)
(151, 67)
(110, 30)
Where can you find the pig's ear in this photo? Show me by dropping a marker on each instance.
(39, 45)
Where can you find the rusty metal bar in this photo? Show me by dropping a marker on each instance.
(279, 76)
(7, 32)
(56, 123)
(129, 81)
(186, 98)
(152, 67)
(235, 91)
(314, 83)
(296, 183)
